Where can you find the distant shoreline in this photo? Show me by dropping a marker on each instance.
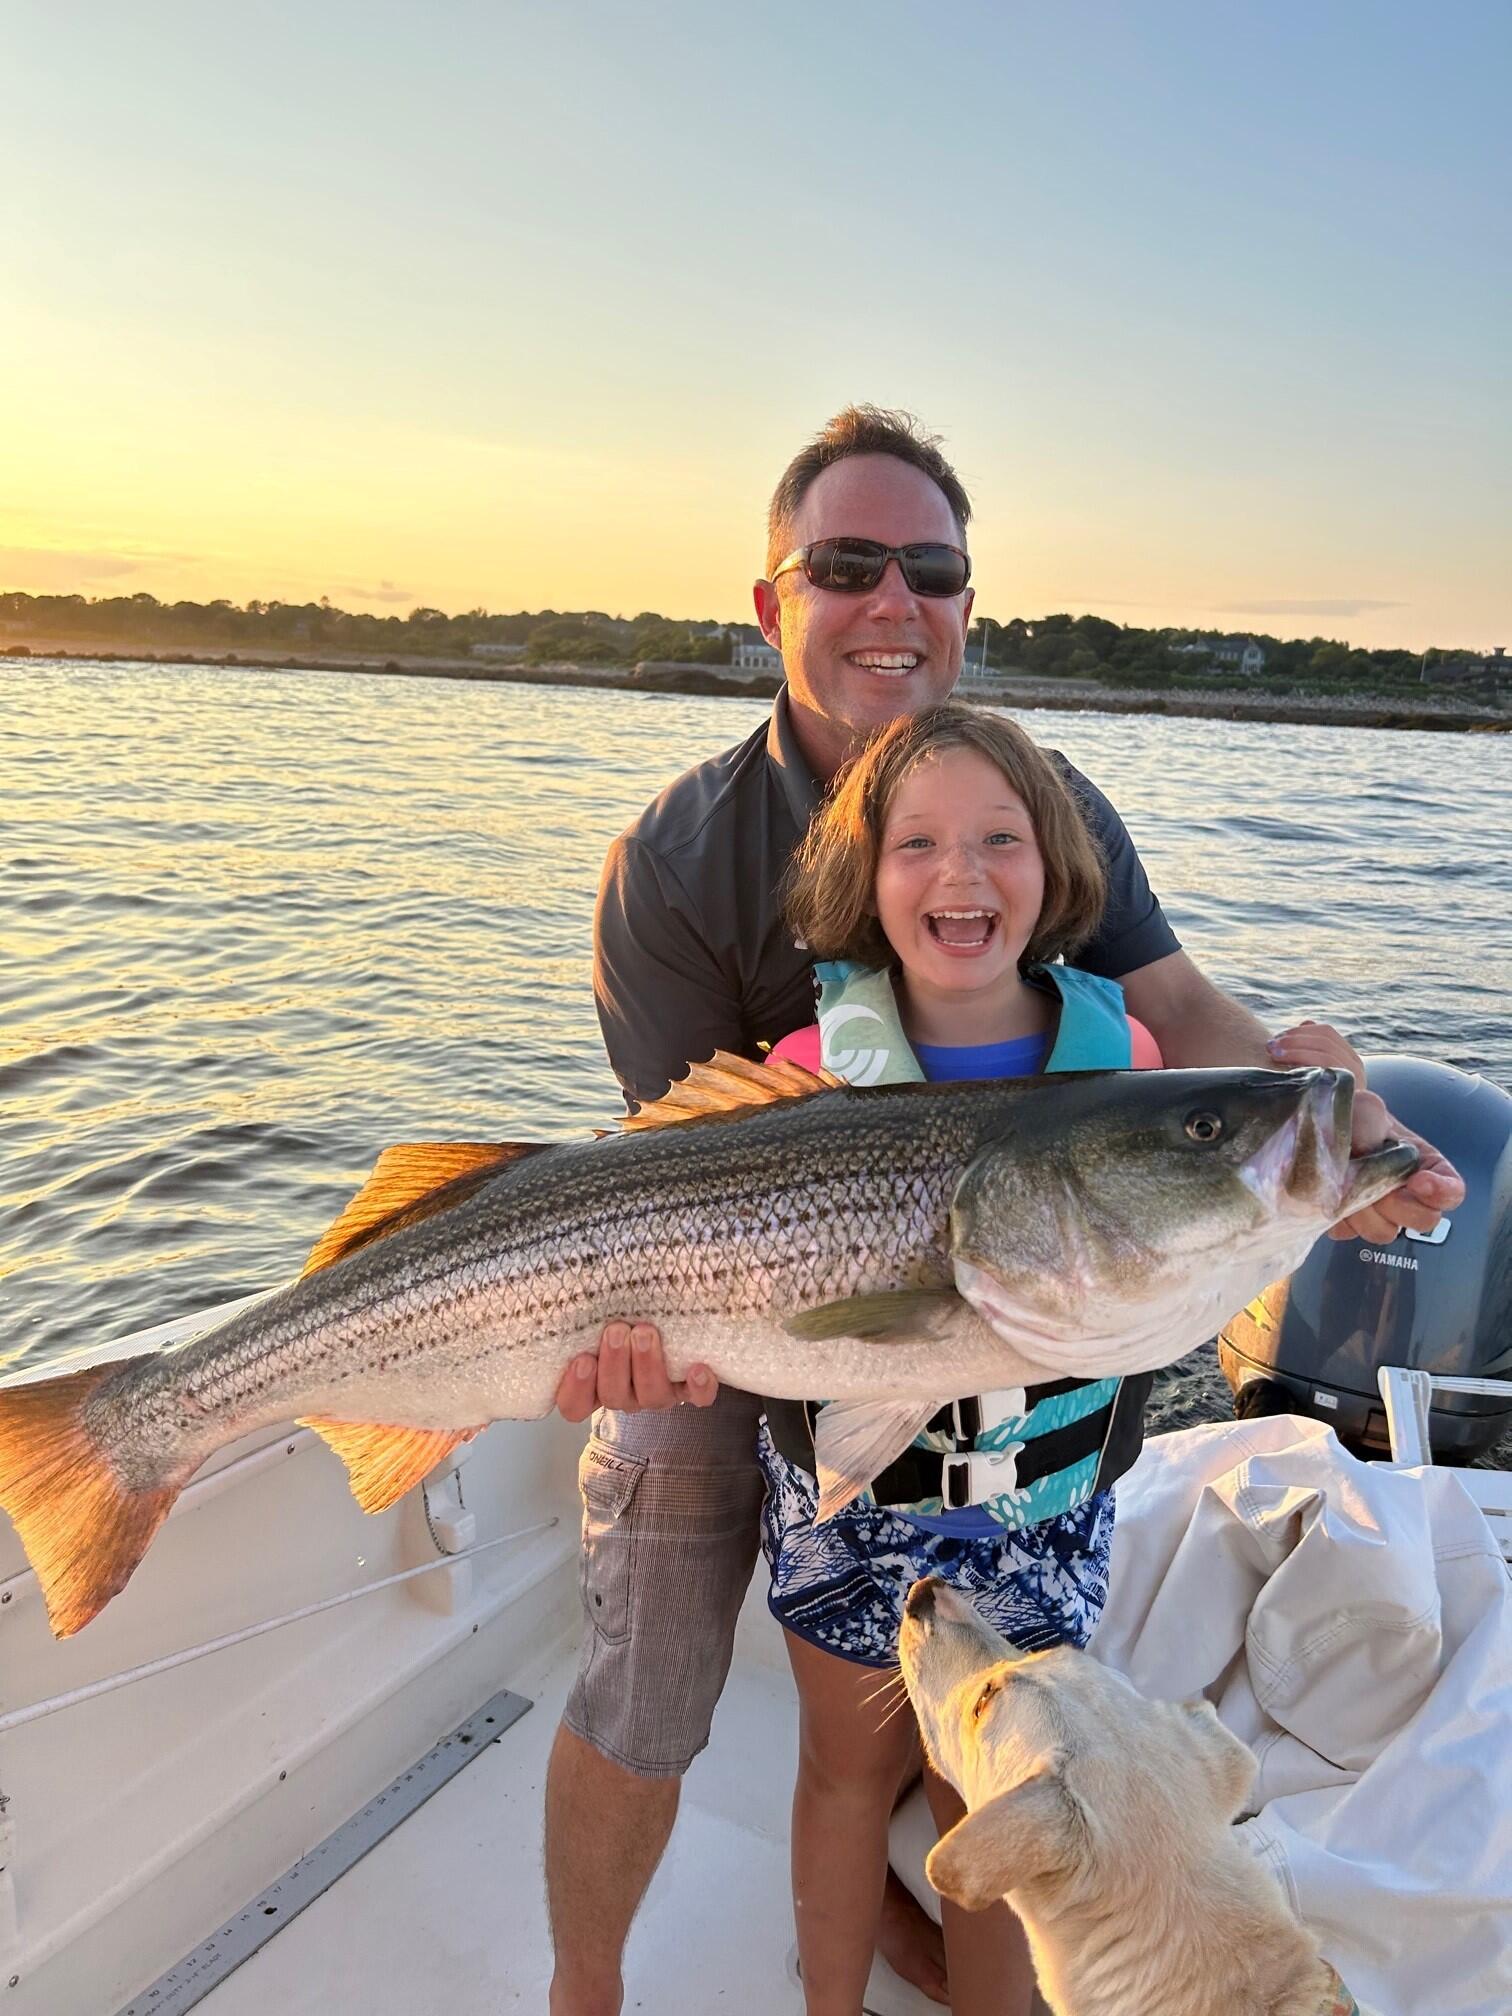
(1070, 695)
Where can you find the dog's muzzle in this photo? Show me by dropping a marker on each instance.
(920, 1601)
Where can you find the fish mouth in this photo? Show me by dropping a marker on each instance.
(962, 930)
(1305, 1168)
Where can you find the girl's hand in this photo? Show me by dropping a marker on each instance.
(629, 1374)
(1317, 1043)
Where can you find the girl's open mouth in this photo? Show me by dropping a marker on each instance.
(963, 930)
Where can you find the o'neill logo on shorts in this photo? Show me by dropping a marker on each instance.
(603, 1459)
(856, 1066)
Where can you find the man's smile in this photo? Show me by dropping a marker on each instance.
(890, 664)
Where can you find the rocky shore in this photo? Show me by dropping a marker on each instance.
(1440, 711)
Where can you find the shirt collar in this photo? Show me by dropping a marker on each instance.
(799, 785)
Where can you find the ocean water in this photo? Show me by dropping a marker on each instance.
(257, 925)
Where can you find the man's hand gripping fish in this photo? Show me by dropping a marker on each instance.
(888, 1248)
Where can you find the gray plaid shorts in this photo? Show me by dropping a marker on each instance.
(671, 1526)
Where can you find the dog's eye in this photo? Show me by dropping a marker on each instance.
(983, 1701)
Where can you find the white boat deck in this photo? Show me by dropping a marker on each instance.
(449, 1911)
(137, 1820)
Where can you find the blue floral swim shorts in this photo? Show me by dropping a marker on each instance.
(842, 1585)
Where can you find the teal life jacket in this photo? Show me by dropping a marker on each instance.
(1067, 1440)
(861, 1033)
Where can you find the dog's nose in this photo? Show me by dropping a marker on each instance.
(921, 1598)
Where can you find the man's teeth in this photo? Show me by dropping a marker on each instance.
(886, 661)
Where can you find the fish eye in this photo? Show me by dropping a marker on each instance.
(1204, 1127)
(982, 1702)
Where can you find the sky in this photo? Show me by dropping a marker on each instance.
(527, 306)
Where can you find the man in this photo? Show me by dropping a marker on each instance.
(691, 956)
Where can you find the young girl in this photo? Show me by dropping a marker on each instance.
(949, 870)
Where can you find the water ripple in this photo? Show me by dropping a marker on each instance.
(262, 924)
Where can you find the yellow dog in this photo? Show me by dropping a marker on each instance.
(1106, 1822)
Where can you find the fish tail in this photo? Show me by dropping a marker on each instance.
(84, 1529)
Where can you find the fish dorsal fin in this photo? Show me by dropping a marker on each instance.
(411, 1181)
(383, 1461)
(729, 1084)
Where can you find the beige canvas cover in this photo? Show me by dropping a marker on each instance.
(1352, 1623)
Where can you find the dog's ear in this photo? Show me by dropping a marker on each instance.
(1230, 1765)
(1016, 1838)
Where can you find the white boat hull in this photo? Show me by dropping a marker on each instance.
(136, 1821)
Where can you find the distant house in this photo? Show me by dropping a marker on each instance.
(1461, 671)
(498, 651)
(755, 658)
(1240, 654)
(1243, 653)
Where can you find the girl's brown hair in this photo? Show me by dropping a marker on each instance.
(828, 892)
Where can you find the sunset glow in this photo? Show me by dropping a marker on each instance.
(530, 314)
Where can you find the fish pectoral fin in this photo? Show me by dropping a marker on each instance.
(891, 1312)
(855, 1440)
(411, 1181)
(384, 1461)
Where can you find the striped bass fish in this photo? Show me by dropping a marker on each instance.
(889, 1248)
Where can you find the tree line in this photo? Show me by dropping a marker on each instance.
(1120, 654)
(586, 637)
(1056, 646)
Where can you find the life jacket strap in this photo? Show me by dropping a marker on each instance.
(1112, 1433)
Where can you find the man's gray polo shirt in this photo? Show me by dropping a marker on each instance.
(691, 954)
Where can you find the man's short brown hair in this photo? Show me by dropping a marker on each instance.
(860, 430)
(829, 888)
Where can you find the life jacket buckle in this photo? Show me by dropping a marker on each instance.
(974, 1413)
(977, 1474)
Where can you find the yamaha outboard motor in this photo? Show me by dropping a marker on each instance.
(1439, 1301)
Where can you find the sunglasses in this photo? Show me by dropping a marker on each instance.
(855, 566)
